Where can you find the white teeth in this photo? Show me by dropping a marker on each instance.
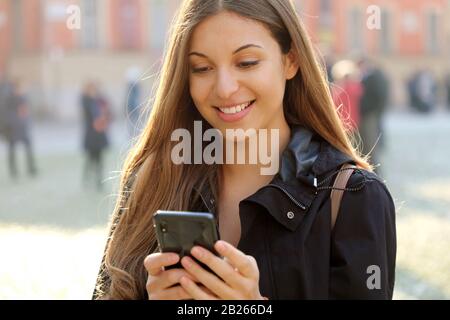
(235, 109)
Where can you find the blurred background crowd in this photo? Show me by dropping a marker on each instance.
(76, 78)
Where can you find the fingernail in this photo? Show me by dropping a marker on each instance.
(187, 261)
(198, 252)
(220, 246)
(173, 258)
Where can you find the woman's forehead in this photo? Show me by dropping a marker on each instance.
(228, 30)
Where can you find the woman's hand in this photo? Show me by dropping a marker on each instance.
(161, 283)
(239, 272)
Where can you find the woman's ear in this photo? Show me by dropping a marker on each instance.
(291, 64)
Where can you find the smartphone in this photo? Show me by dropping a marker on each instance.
(179, 231)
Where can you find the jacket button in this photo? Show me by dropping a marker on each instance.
(290, 215)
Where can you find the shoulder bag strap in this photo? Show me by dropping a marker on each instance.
(338, 190)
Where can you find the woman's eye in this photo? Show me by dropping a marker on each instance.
(243, 65)
(200, 70)
(247, 64)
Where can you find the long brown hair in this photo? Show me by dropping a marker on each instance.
(160, 184)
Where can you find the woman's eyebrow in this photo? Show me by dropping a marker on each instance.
(234, 52)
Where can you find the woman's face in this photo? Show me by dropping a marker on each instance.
(238, 73)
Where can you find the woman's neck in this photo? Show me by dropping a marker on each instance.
(254, 173)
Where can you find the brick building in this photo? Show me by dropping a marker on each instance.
(41, 43)
(411, 34)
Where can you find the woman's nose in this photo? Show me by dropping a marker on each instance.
(226, 84)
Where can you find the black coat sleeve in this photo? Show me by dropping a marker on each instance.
(363, 245)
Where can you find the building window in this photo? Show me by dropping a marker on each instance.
(355, 30)
(17, 25)
(159, 23)
(432, 30)
(410, 23)
(325, 13)
(386, 32)
(128, 24)
(89, 30)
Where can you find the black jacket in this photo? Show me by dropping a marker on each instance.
(286, 227)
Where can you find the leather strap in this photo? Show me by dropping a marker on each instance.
(336, 194)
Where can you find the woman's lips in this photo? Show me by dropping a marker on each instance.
(227, 117)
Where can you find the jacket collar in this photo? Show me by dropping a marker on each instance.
(303, 164)
(305, 160)
(309, 155)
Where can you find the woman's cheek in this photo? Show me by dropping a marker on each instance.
(200, 90)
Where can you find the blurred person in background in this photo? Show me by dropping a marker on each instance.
(422, 90)
(18, 119)
(427, 89)
(347, 91)
(133, 101)
(447, 89)
(329, 63)
(412, 91)
(5, 89)
(373, 104)
(97, 116)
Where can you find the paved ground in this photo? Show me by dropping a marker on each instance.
(52, 229)
(417, 168)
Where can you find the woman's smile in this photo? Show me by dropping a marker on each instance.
(235, 113)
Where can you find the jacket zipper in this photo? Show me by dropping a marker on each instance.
(301, 205)
(217, 220)
(204, 202)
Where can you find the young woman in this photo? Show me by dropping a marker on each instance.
(241, 64)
